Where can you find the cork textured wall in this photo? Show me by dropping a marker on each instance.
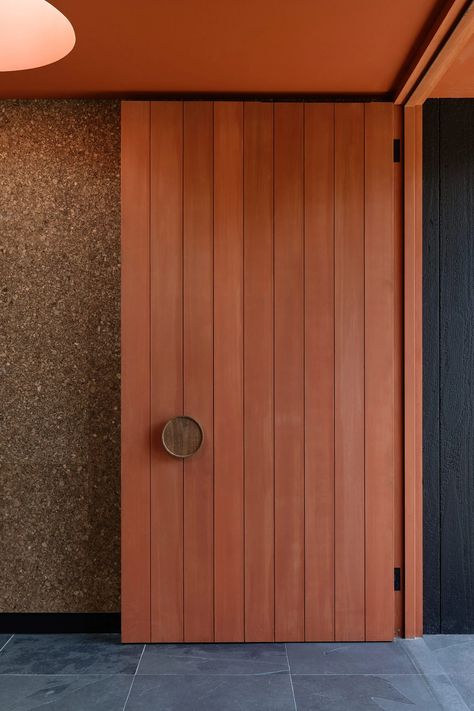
(59, 356)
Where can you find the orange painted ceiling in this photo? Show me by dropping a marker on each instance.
(458, 81)
(133, 47)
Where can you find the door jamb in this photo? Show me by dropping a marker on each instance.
(445, 42)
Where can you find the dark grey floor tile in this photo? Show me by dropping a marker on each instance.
(441, 641)
(4, 638)
(423, 659)
(350, 658)
(464, 683)
(271, 692)
(213, 659)
(454, 653)
(362, 693)
(64, 693)
(69, 654)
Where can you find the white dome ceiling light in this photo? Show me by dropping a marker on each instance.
(33, 33)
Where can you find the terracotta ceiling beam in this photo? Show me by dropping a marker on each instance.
(431, 45)
(462, 34)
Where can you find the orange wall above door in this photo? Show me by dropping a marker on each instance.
(243, 46)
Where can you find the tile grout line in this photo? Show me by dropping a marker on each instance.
(8, 640)
(240, 674)
(291, 678)
(133, 680)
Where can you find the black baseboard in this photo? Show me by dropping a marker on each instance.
(58, 622)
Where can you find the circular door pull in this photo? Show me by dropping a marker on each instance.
(182, 436)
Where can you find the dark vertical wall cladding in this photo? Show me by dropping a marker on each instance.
(431, 508)
(449, 365)
(59, 356)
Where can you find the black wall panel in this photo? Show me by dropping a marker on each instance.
(448, 362)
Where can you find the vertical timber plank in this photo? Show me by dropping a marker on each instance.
(456, 313)
(135, 343)
(413, 370)
(431, 369)
(166, 368)
(198, 371)
(349, 373)
(319, 371)
(398, 351)
(258, 369)
(379, 372)
(228, 372)
(289, 372)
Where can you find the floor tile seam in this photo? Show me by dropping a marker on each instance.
(214, 659)
(375, 674)
(102, 675)
(7, 642)
(133, 680)
(459, 673)
(450, 646)
(291, 678)
(139, 660)
(279, 672)
(408, 654)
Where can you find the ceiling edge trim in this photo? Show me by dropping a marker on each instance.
(430, 46)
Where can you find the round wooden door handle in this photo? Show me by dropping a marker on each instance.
(182, 436)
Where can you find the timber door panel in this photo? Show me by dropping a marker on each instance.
(228, 372)
(319, 372)
(258, 368)
(259, 298)
(198, 369)
(166, 228)
(349, 372)
(289, 372)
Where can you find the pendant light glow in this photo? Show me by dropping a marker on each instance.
(33, 33)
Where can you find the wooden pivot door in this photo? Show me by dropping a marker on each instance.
(260, 298)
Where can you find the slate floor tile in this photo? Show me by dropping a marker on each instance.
(350, 658)
(271, 692)
(454, 653)
(366, 692)
(69, 654)
(213, 659)
(4, 638)
(64, 693)
(464, 683)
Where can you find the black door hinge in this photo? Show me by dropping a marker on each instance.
(397, 583)
(396, 150)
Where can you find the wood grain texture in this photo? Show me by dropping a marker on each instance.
(199, 371)
(319, 371)
(431, 366)
(456, 346)
(228, 373)
(166, 255)
(289, 372)
(413, 371)
(349, 373)
(399, 561)
(135, 313)
(379, 372)
(258, 369)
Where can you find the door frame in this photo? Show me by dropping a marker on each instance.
(443, 44)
